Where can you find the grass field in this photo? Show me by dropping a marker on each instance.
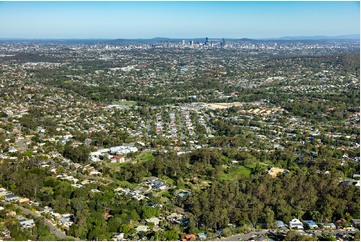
(113, 166)
(145, 157)
(236, 173)
(126, 184)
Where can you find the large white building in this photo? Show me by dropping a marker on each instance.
(99, 155)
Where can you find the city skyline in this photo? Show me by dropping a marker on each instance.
(132, 20)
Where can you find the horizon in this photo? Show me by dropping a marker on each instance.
(305, 37)
(190, 20)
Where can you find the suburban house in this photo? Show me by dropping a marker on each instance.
(202, 236)
(47, 209)
(24, 200)
(118, 159)
(280, 224)
(311, 224)
(12, 198)
(328, 225)
(141, 228)
(189, 237)
(182, 194)
(66, 220)
(153, 220)
(350, 182)
(36, 204)
(28, 223)
(156, 184)
(118, 237)
(295, 223)
(175, 217)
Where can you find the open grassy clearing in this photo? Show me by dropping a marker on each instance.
(235, 173)
(143, 157)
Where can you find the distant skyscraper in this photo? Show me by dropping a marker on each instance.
(206, 41)
(223, 43)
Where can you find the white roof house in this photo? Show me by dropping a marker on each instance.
(153, 220)
(295, 223)
(27, 223)
(117, 237)
(141, 228)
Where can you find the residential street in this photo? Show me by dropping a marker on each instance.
(53, 229)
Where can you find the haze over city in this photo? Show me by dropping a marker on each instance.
(177, 19)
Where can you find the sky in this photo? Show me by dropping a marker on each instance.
(109, 20)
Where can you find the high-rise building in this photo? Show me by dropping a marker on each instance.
(206, 41)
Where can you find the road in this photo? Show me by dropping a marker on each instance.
(242, 236)
(54, 230)
(247, 236)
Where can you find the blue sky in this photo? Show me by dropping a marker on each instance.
(177, 19)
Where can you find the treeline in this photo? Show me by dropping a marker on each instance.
(250, 200)
(261, 199)
(256, 200)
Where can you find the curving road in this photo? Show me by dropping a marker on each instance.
(54, 230)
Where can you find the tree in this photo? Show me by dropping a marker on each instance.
(80, 229)
(171, 235)
(42, 231)
(148, 212)
(269, 217)
(79, 204)
(295, 236)
(134, 215)
(255, 212)
(60, 204)
(81, 193)
(114, 224)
